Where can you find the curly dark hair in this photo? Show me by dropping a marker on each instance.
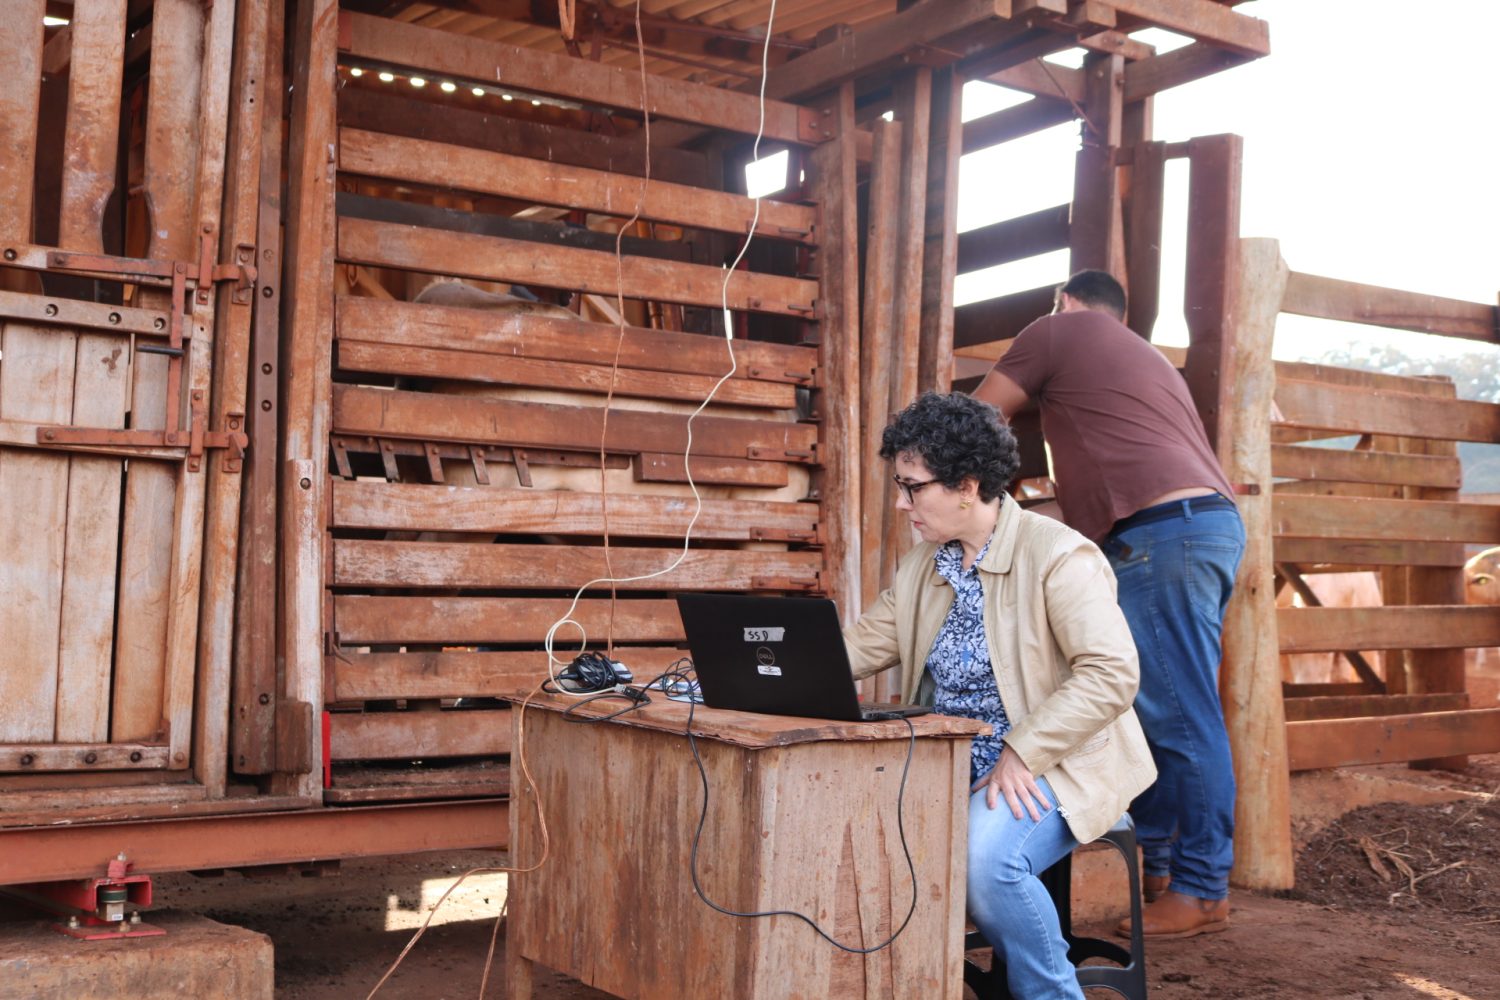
(957, 436)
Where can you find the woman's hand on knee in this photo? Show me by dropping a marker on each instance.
(1011, 778)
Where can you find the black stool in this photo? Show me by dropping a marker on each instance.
(1126, 977)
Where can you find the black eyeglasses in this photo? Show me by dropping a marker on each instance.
(910, 489)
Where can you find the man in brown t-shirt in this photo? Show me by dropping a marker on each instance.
(1135, 473)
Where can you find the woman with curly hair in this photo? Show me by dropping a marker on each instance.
(1010, 618)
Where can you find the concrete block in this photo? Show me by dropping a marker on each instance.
(197, 957)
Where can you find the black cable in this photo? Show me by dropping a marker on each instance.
(900, 825)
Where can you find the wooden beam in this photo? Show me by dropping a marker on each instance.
(1205, 20)
(1095, 232)
(488, 62)
(494, 509)
(1249, 675)
(1000, 318)
(1013, 239)
(1356, 706)
(1289, 461)
(1213, 245)
(1315, 630)
(422, 565)
(1016, 121)
(1175, 68)
(940, 245)
(1350, 554)
(362, 619)
(552, 338)
(452, 674)
(446, 166)
(1351, 409)
(1392, 738)
(1370, 519)
(1143, 213)
(417, 735)
(1292, 574)
(1043, 79)
(885, 42)
(415, 248)
(426, 416)
(394, 114)
(1330, 298)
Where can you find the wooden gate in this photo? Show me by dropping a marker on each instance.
(113, 434)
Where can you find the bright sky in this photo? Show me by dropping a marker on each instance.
(1369, 153)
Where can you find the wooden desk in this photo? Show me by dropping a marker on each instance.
(802, 816)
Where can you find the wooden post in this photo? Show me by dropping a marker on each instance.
(940, 249)
(1095, 235)
(876, 320)
(307, 372)
(1250, 677)
(1212, 268)
(1143, 231)
(832, 170)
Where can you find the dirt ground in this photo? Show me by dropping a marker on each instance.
(1395, 901)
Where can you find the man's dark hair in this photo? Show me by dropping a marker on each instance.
(1097, 290)
(957, 436)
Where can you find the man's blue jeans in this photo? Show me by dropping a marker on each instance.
(1175, 576)
(1007, 901)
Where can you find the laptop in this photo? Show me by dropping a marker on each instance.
(777, 655)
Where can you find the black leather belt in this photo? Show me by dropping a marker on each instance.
(1173, 508)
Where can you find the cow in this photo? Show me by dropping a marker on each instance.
(1482, 578)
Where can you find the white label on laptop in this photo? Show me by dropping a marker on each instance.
(773, 634)
(768, 669)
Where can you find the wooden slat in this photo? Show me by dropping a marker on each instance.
(21, 35)
(395, 114)
(449, 674)
(1013, 239)
(81, 757)
(447, 166)
(101, 386)
(359, 356)
(414, 507)
(1000, 318)
(418, 735)
(1330, 298)
(372, 620)
(1349, 554)
(1043, 79)
(551, 338)
(1344, 466)
(878, 312)
(140, 688)
(1384, 520)
(1143, 231)
(32, 387)
(1337, 689)
(93, 315)
(1391, 739)
(1310, 630)
(1016, 121)
(430, 416)
(1175, 68)
(447, 564)
(497, 63)
(1357, 706)
(1204, 20)
(492, 258)
(1354, 410)
(940, 237)
(669, 467)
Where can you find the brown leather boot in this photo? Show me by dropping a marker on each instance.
(1176, 915)
(1152, 886)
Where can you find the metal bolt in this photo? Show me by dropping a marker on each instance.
(50, 435)
(265, 369)
(306, 483)
(267, 291)
(28, 759)
(135, 756)
(159, 323)
(265, 699)
(91, 758)
(265, 404)
(51, 309)
(10, 254)
(114, 318)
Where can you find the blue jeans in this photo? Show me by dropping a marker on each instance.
(1175, 577)
(1007, 901)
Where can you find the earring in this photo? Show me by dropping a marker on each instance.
(967, 504)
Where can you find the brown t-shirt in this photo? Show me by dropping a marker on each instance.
(1117, 416)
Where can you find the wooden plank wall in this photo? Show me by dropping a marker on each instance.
(99, 583)
(1368, 480)
(484, 448)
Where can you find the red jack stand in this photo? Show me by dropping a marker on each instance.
(95, 908)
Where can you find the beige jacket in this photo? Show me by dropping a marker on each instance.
(1064, 660)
